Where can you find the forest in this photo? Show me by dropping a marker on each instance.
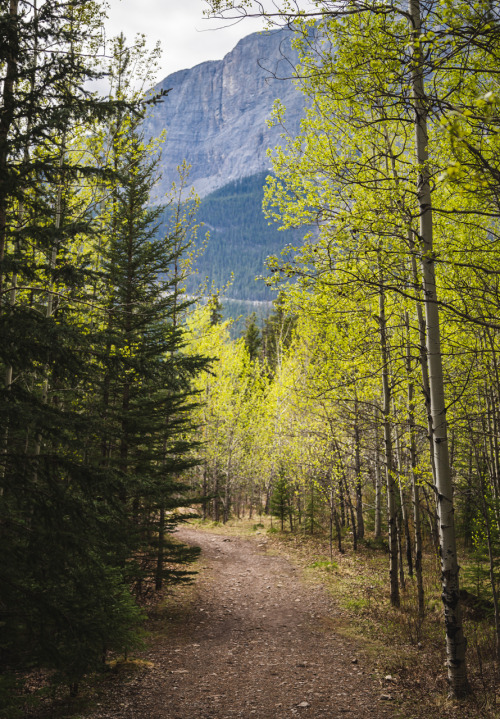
(240, 240)
(389, 384)
(97, 393)
(365, 409)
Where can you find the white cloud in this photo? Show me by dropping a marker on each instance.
(186, 37)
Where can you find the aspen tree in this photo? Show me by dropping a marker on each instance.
(389, 459)
(455, 641)
(419, 67)
(413, 470)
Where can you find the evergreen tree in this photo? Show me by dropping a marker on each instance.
(62, 601)
(215, 309)
(277, 333)
(64, 527)
(281, 499)
(252, 337)
(146, 393)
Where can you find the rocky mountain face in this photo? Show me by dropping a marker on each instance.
(216, 113)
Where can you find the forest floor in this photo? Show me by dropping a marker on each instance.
(257, 637)
(256, 643)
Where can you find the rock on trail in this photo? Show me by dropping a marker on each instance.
(253, 646)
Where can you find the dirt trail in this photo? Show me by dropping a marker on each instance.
(255, 645)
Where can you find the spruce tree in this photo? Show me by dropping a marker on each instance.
(145, 387)
(281, 502)
(63, 599)
(253, 341)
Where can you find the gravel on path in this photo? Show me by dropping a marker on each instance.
(256, 644)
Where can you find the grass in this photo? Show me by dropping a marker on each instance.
(392, 642)
(325, 565)
(395, 642)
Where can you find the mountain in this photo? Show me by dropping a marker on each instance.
(215, 115)
(240, 239)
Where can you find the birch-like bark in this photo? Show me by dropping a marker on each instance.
(482, 460)
(334, 515)
(227, 493)
(378, 484)
(402, 581)
(492, 444)
(342, 502)
(404, 513)
(352, 513)
(359, 487)
(413, 473)
(347, 495)
(422, 349)
(205, 490)
(495, 419)
(491, 563)
(455, 641)
(216, 502)
(330, 527)
(389, 462)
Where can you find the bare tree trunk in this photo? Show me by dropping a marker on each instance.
(50, 291)
(342, 504)
(347, 495)
(495, 421)
(389, 463)
(404, 513)
(491, 563)
(312, 508)
(455, 640)
(8, 93)
(433, 520)
(357, 465)
(378, 484)
(402, 581)
(8, 382)
(227, 499)
(353, 516)
(493, 449)
(6, 120)
(161, 545)
(205, 491)
(414, 483)
(338, 528)
(424, 366)
(216, 514)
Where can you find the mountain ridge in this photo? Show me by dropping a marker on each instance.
(216, 112)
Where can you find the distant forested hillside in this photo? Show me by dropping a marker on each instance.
(240, 239)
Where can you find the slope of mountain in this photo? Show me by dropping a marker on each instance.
(215, 115)
(240, 239)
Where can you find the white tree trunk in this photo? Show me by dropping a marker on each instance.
(414, 484)
(455, 641)
(389, 462)
(378, 484)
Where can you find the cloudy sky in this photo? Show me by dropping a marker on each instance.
(186, 37)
